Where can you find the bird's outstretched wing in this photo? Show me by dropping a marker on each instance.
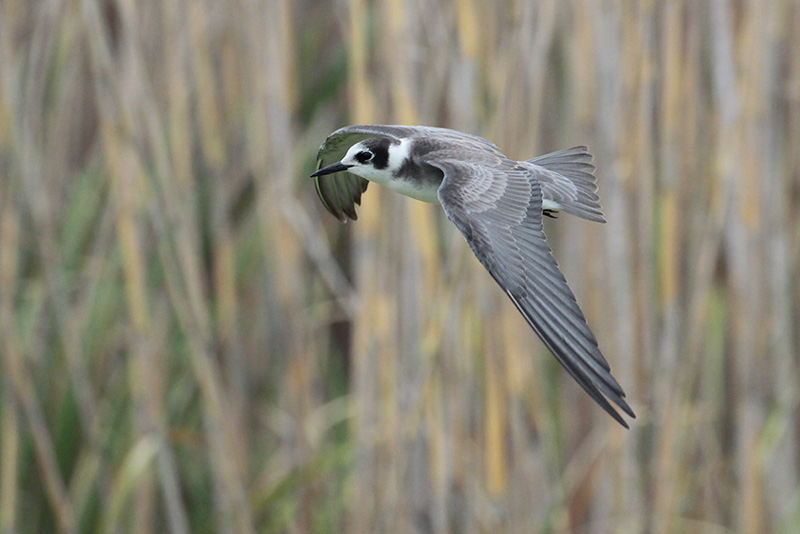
(340, 192)
(497, 205)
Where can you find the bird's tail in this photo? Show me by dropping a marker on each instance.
(570, 185)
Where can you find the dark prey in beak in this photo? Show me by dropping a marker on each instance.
(336, 167)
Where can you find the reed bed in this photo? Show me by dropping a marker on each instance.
(189, 343)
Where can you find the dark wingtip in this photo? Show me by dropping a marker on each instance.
(625, 408)
(350, 211)
(617, 417)
(615, 414)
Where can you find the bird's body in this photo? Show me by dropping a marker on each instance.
(498, 204)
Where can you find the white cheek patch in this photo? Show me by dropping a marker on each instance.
(398, 154)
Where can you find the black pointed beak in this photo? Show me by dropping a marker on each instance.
(336, 167)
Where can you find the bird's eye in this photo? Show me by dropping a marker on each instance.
(364, 156)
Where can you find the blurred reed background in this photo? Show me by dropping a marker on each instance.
(189, 343)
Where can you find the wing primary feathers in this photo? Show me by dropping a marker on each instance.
(578, 374)
(497, 205)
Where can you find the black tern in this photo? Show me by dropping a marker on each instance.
(498, 204)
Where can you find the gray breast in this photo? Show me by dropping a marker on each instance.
(415, 170)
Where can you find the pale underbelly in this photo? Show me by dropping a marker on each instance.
(425, 193)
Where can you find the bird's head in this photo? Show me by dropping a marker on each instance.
(368, 159)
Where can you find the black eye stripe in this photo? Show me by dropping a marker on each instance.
(375, 152)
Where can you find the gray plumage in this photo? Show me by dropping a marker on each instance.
(567, 178)
(498, 204)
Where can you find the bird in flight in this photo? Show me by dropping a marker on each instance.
(498, 204)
